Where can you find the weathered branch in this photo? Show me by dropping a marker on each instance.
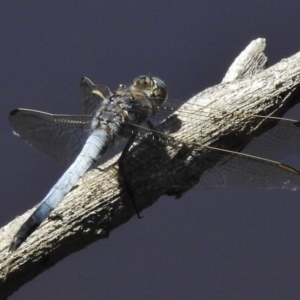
(251, 61)
(99, 203)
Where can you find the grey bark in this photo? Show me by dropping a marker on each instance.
(99, 202)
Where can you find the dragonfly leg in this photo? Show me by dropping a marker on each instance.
(156, 135)
(121, 168)
(171, 125)
(162, 131)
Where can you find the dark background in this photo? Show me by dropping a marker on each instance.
(211, 244)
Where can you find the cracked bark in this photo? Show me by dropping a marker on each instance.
(99, 202)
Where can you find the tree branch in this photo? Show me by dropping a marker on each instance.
(99, 202)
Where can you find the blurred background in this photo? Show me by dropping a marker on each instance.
(210, 244)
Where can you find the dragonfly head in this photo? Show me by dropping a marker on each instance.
(153, 86)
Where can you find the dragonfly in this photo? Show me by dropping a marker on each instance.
(82, 140)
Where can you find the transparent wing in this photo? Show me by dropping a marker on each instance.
(221, 168)
(91, 95)
(279, 142)
(238, 170)
(61, 136)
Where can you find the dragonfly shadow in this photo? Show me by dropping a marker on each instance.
(148, 163)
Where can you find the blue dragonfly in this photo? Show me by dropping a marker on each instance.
(81, 140)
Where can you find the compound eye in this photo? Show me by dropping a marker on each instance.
(143, 82)
(160, 91)
(159, 83)
(154, 86)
